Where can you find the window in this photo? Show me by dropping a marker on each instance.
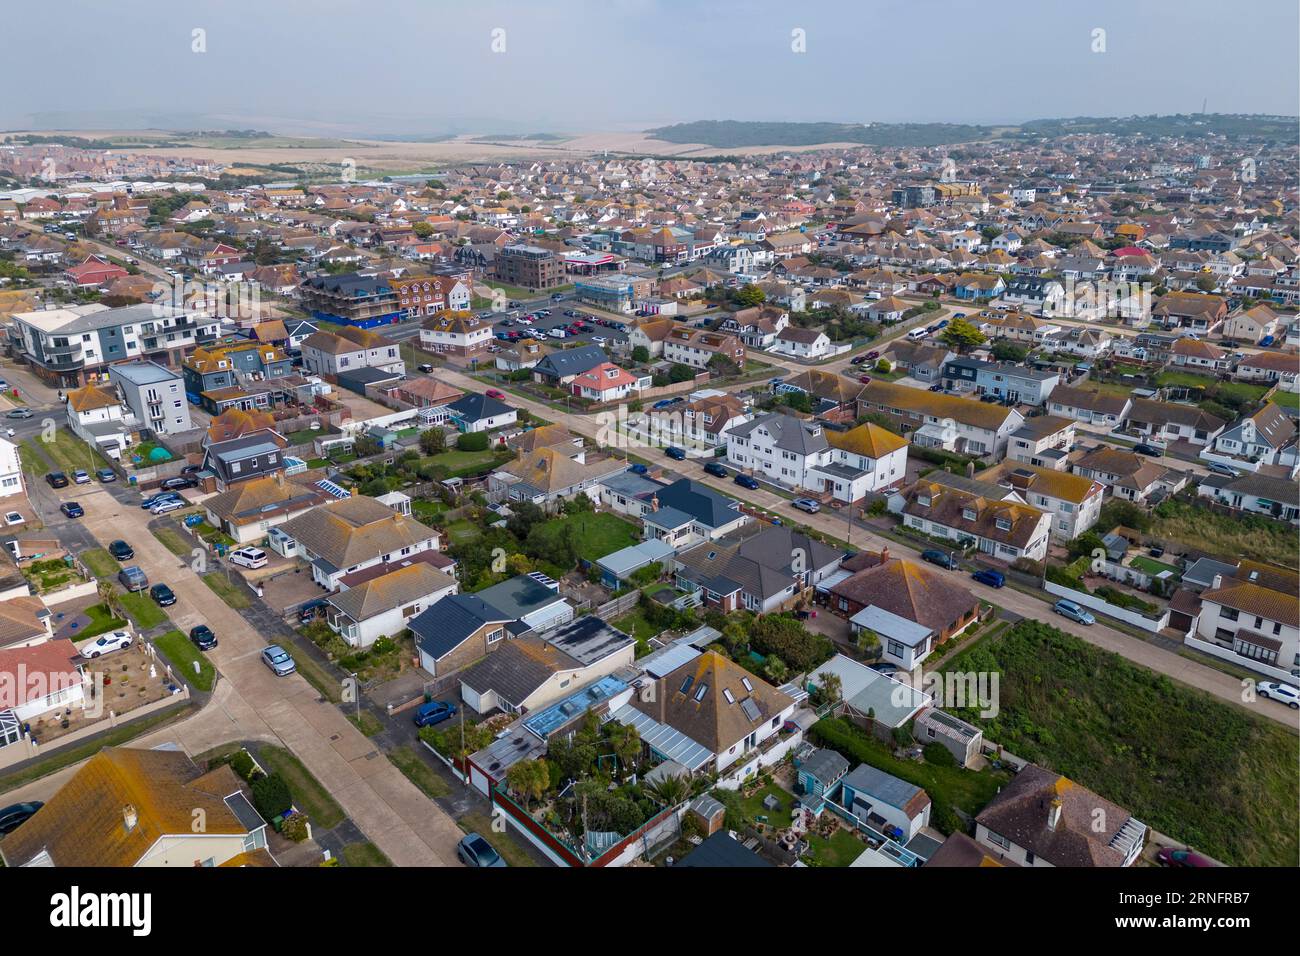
(998, 840)
(496, 635)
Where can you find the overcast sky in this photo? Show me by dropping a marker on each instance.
(426, 67)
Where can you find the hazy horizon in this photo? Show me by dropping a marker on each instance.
(413, 69)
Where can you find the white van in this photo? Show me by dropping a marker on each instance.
(918, 333)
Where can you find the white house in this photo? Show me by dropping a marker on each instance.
(11, 469)
(380, 600)
(98, 417)
(802, 343)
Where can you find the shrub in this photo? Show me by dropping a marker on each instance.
(242, 764)
(271, 796)
(295, 827)
(472, 441)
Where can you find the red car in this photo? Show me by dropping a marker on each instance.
(864, 379)
(1168, 856)
(493, 393)
(874, 353)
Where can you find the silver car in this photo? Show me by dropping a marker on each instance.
(278, 659)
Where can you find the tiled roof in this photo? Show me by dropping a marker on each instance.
(868, 440)
(403, 586)
(355, 530)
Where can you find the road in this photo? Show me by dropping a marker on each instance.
(1166, 662)
(251, 703)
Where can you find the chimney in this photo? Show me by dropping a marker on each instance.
(884, 554)
(1217, 582)
(129, 817)
(654, 502)
(1054, 814)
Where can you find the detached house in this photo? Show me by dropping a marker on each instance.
(101, 419)
(1258, 438)
(461, 334)
(327, 353)
(697, 347)
(1169, 421)
(757, 327)
(380, 600)
(1006, 530)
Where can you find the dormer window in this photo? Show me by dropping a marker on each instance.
(923, 500)
(969, 514)
(1003, 524)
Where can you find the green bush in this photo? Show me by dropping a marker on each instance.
(271, 796)
(295, 827)
(472, 441)
(242, 764)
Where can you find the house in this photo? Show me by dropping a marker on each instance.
(459, 334)
(802, 343)
(888, 310)
(1044, 441)
(1071, 500)
(697, 347)
(329, 353)
(866, 458)
(818, 774)
(975, 285)
(41, 676)
(93, 273)
(562, 366)
(1257, 620)
(1090, 407)
(949, 422)
(1254, 494)
(722, 850)
(731, 715)
(686, 512)
(616, 569)
(25, 621)
(1280, 367)
(1170, 421)
(97, 415)
(1198, 312)
(707, 420)
(784, 449)
(427, 392)
(649, 333)
(964, 741)
(380, 600)
(921, 361)
(871, 699)
(606, 383)
(255, 454)
(886, 804)
(247, 510)
(1258, 438)
(11, 470)
(521, 354)
(456, 631)
(758, 326)
(757, 568)
(1012, 384)
(1043, 819)
(534, 670)
(355, 533)
(1006, 530)
(477, 412)
(910, 607)
(547, 476)
(1128, 475)
(155, 396)
(129, 808)
(1198, 356)
(959, 850)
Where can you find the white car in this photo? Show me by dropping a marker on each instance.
(523, 320)
(106, 644)
(80, 477)
(598, 339)
(248, 557)
(1282, 693)
(162, 507)
(558, 333)
(13, 518)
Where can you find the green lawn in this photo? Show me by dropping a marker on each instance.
(173, 541)
(462, 531)
(636, 625)
(364, 854)
(418, 772)
(1151, 566)
(753, 806)
(597, 534)
(840, 850)
(101, 620)
(1203, 771)
(367, 723)
(232, 592)
(1286, 399)
(100, 563)
(308, 794)
(182, 655)
(142, 609)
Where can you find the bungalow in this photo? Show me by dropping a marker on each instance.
(93, 273)
(1197, 355)
(561, 367)
(248, 510)
(605, 383)
(1090, 407)
(760, 569)
(686, 512)
(380, 600)
(1254, 494)
(887, 310)
(1007, 530)
(1170, 421)
(1251, 325)
(476, 412)
(885, 803)
(1258, 438)
(1280, 367)
(869, 698)
(979, 286)
(548, 476)
(802, 343)
(1128, 475)
(1198, 312)
(949, 422)
(41, 677)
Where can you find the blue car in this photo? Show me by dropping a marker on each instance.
(675, 453)
(72, 509)
(745, 481)
(994, 579)
(434, 712)
(637, 469)
(1074, 612)
(716, 470)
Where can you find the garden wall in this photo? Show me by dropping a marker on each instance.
(1214, 650)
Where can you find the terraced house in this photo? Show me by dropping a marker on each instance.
(1006, 530)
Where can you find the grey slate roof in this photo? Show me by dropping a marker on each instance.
(476, 407)
(883, 786)
(788, 433)
(702, 503)
(518, 596)
(565, 362)
(441, 628)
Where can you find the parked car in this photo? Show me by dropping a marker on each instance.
(16, 814)
(72, 509)
(277, 658)
(313, 610)
(716, 469)
(177, 483)
(133, 578)
(203, 637)
(80, 477)
(1221, 469)
(873, 354)
(942, 558)
(191, 469)
(994, 579)
(864, 379)
(105, 475)
(106, 644)
(121, 550)
(168, 504)
(1074, 612)
(162, 595)
(858, 360)
(57, 479)
(637, 468)
(675, 453)
(1151, 451)
(434, 712)
(807, 504)
(1168, 856)
(495, 393)
(745, 481)
(20, 413)
(1282, 693)
(426, 367)
(152, 500)
(473, 850)
(937, 387)
(248, 557)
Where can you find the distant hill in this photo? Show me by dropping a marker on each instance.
(732, 134)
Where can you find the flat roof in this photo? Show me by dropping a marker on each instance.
(545, 722)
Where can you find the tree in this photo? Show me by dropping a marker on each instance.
(1005, 351)
(787, 638)
(641, 354)
(798, 401)
(962, 335)
(433, 441)
(749, 296)
(422, 229)
(524, 515)
(831, 686)
(669, 789)
(472, 441)
(626, 741)
(868, 643)
(529, 779)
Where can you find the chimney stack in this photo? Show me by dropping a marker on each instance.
(884, 554)
(1217, 582)
(1054, 814)
(129, 817)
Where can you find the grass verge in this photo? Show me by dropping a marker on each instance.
(418, 772)
(308, 794)
(181, 653)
